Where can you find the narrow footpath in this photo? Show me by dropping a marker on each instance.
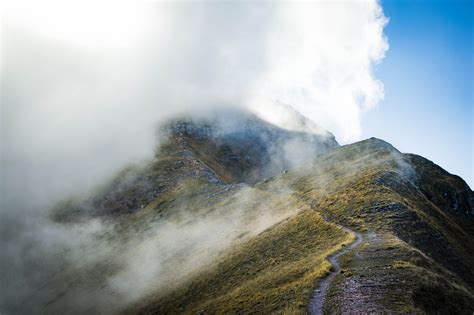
(316, 304)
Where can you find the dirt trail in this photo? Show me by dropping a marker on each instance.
(316, 304)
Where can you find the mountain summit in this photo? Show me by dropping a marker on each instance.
(221, 147)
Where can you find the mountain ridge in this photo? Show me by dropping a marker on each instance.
(234, 225)
(406, 254)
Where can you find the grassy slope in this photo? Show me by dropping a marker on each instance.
(418, 253)
(275, 271)
(245, 211)
(418, 232)
(415, 257)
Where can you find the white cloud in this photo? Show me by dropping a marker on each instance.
(83, 86)
(81, 103)
(320, 59)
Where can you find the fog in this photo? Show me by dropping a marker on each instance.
(69, 102)
(85, 84)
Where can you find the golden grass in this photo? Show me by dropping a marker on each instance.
(274, 272)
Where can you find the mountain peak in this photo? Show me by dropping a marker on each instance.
(245, 147)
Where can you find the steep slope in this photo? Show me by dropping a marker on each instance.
(164, 222)
(416, 256)
(226, 219)
(418, 252)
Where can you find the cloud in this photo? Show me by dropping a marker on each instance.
(320, 58)
(84, 100)
(84, 84)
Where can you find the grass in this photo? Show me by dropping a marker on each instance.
(421, 244)
(417, 254)
(273, 272)
(370, 187)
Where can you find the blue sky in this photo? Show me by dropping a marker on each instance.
(428, 79)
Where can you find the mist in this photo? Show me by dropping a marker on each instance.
(86, 85)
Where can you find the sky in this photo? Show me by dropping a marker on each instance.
(78, 94)
(428, 81)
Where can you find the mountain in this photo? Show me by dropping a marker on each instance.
(220, 147)
(416, 256)
(237, 215)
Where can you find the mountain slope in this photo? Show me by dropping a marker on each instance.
(176, 203)
(226, 219)
(415, 258)
(417, 252)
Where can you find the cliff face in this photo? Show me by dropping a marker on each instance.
(256, 210)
